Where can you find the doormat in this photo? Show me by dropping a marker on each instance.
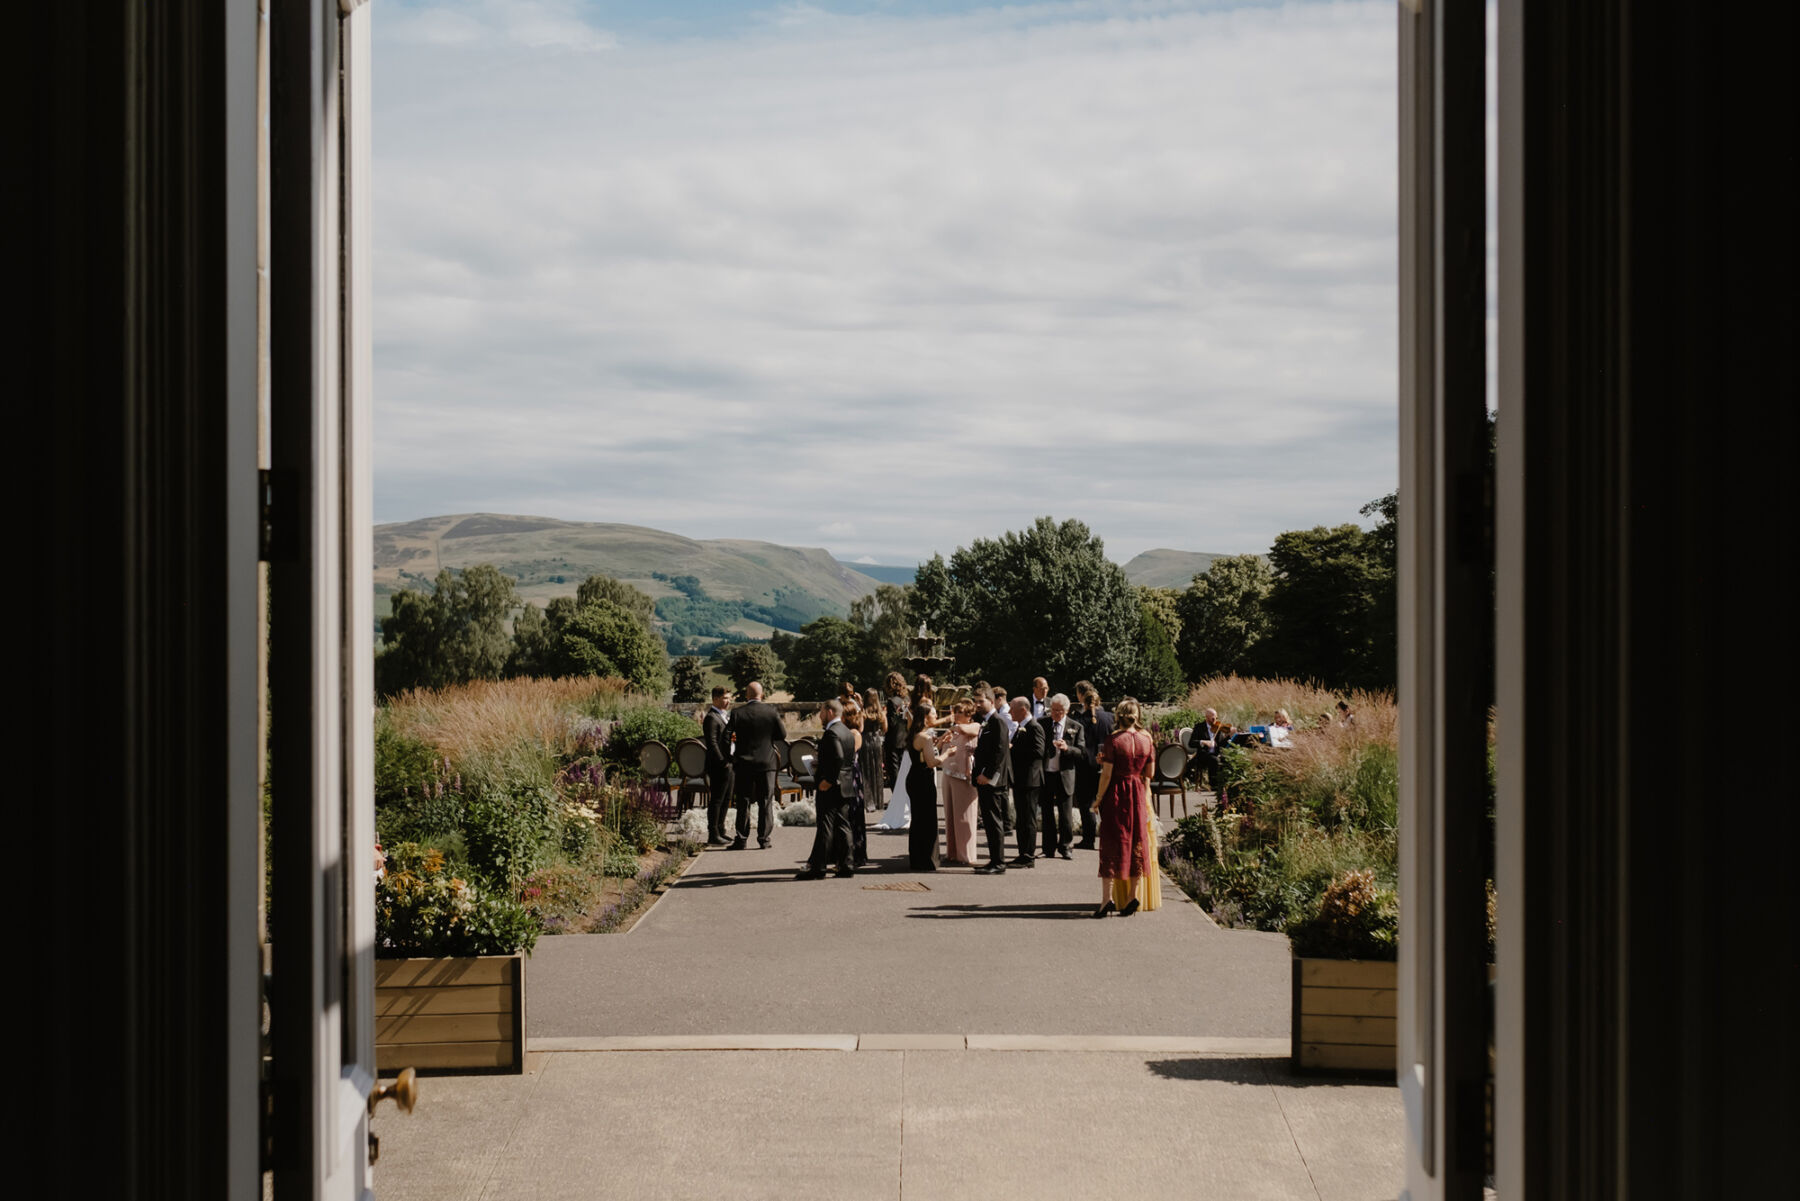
(902, 886)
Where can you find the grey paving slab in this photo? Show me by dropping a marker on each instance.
(1351, 1134)
(738, 1125)
(894, 1124)
(738, 946)
(1094, 1125)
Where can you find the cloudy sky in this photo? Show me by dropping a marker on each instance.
(887, 275)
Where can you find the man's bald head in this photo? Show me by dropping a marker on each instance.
(753, 690)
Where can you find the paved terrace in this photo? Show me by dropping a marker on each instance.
(756, 1037)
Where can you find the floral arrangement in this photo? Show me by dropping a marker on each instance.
(1354, 920)
(424, 908)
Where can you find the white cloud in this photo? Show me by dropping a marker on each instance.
(1132, 262)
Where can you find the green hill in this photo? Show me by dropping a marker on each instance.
(1164, 568)
(548, 558)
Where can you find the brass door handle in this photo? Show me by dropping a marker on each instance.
(404, 1092)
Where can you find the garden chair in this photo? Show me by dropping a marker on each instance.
(690, 760)
(1170, 777)
(783, 787)
(799, 770)
(655, 762)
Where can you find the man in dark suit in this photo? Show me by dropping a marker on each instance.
(1040, 697)
(715, 732)
(756, 726)
(1063, 756)
(1205, 745)
(992, 773)
(835, 792)
(1027, 779)
(1096, 727)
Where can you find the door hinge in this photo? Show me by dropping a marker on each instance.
(277, 495)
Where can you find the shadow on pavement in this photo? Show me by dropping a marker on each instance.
(1253, 1069)
(1061, 909)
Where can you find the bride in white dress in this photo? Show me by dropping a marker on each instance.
(899, 809)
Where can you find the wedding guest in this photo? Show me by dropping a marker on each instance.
(1205, 744)
(715, 732)
(755, 726)
(993, 776)
(847, 693)
(854, 801)
(1346, 715)
(1128, 879)
(874, 752)
(1027, 779)
(1003, 707)
(961, 798)
(832, 771)
(1064, 753)
(894, 714)
(921, 788)
(1040, 694)
(1096, 727)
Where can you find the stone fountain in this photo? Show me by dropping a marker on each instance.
(928, 658)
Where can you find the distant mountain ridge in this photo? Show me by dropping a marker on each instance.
(549, 557)
(1165, 568)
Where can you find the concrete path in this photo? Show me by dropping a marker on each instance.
(835, 1126)
(753, 1037)
(738, 946)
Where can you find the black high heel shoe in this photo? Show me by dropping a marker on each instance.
(1131, 907)
(1105, 908)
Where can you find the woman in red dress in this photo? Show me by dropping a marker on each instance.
(1124, 804)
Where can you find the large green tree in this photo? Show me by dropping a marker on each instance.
(1041, 601)
(1323, 608)
(749, 661)
(688, 679)
(1224, 616)
(826, 653)
(456, 634)
(1156, 674)
(882, 621)
(606, 629)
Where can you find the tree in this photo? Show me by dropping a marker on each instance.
(749, 661)
(1044, 601)
(1223, 616)
(602, 638)
(603, 587)
(531, 643)
(1165, 603)
(826, 652)
(456, 634)
(1156, 674)
(1322, 608)
(689, 679)
(882, 620)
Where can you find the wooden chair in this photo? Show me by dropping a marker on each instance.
(655, 762)
(690, 761)
(1170, 777)
(799, 751)
(783, 787)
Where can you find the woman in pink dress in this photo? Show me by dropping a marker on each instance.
(960, 797)
(1124, 804)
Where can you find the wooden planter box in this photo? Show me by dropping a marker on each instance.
(450, 1015)
(1344, 1015)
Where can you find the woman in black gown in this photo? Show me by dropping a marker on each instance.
(922, 790)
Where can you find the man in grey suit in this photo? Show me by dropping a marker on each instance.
(992, 772)
(756, 725)
(1027, 779)
(1064, 753)
(834, 794)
